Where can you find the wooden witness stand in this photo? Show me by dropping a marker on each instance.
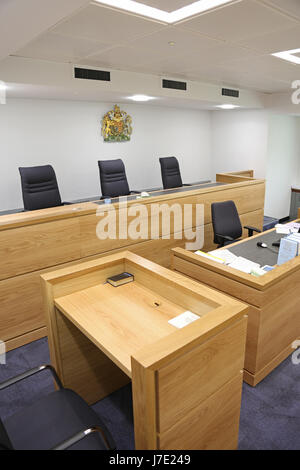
(34, 243)
(274, 319)
(186, 383)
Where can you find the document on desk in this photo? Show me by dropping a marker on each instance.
(287, 251)
(293, 226)
(217, 259)
(244, 265)
(283, 229)
(225, 255)
(184, 319)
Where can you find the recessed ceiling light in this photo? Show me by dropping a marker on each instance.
(181, 14)
(289, 56)
(171, 43)
(227, 106)
(140, 98)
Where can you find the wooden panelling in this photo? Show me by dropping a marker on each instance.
(274, 320)
(84, 367)
(25, 338)
(213, 425)
(33, 242)
(21, 306)
(35, 247)
(192, 378)
(279, 327)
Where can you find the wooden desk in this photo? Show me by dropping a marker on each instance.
(274, 315)
(186, 382)
(33, 243)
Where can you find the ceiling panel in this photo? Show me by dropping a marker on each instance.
(291, 7)
(106, 25)
(57, 47)
(284, 40)
(239, 21)
(121, 57)
(268, 66)
(185, 42)
(166, 5)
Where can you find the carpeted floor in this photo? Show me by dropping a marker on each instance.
(270, 415)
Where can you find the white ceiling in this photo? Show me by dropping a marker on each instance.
(230, 44)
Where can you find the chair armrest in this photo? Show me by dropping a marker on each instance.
(81, 435)
(251, 230)
(224, 238)
(28, 374)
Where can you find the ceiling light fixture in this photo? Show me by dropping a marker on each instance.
(289, 56)
(156, 14)
(140, 98)
(227, 106)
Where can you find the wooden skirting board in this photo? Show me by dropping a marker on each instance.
(33, 243)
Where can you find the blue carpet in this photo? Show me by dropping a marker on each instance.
(270, 414)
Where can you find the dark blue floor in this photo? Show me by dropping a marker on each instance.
(270, 415)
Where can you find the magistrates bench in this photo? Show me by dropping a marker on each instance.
(33, 243)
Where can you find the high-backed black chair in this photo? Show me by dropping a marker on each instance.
(39, 187)
(113, 179)
(226, 223)
(59, 421)
(170, 173)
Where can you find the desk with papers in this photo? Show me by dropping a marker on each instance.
(273, 298)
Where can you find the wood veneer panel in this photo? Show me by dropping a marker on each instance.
(192, 378)
(213, 425)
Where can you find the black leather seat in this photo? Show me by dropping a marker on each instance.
(226, 223)
(113, 179)
(60, 420)
(170, 172)
(39, 187)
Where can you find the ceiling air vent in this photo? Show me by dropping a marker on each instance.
(232, 93)
(89, 74)
(174, 85)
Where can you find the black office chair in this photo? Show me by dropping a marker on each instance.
(39, 188)
(113, 179)
(59, 421)
(226, 223)
(170, 173)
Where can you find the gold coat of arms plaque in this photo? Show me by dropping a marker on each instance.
(116, 126)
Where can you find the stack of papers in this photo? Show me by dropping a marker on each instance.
(293, 226)
(244, 265)
(283, 229)
(209, 256)
(233, 261)
(225, 255)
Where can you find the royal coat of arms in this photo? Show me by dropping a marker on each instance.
(116, 126)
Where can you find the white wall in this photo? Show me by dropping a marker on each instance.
(239, 141)
(264, 142)
(67, 134)
(283, 164)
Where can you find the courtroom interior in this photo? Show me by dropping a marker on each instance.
(150, 225)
